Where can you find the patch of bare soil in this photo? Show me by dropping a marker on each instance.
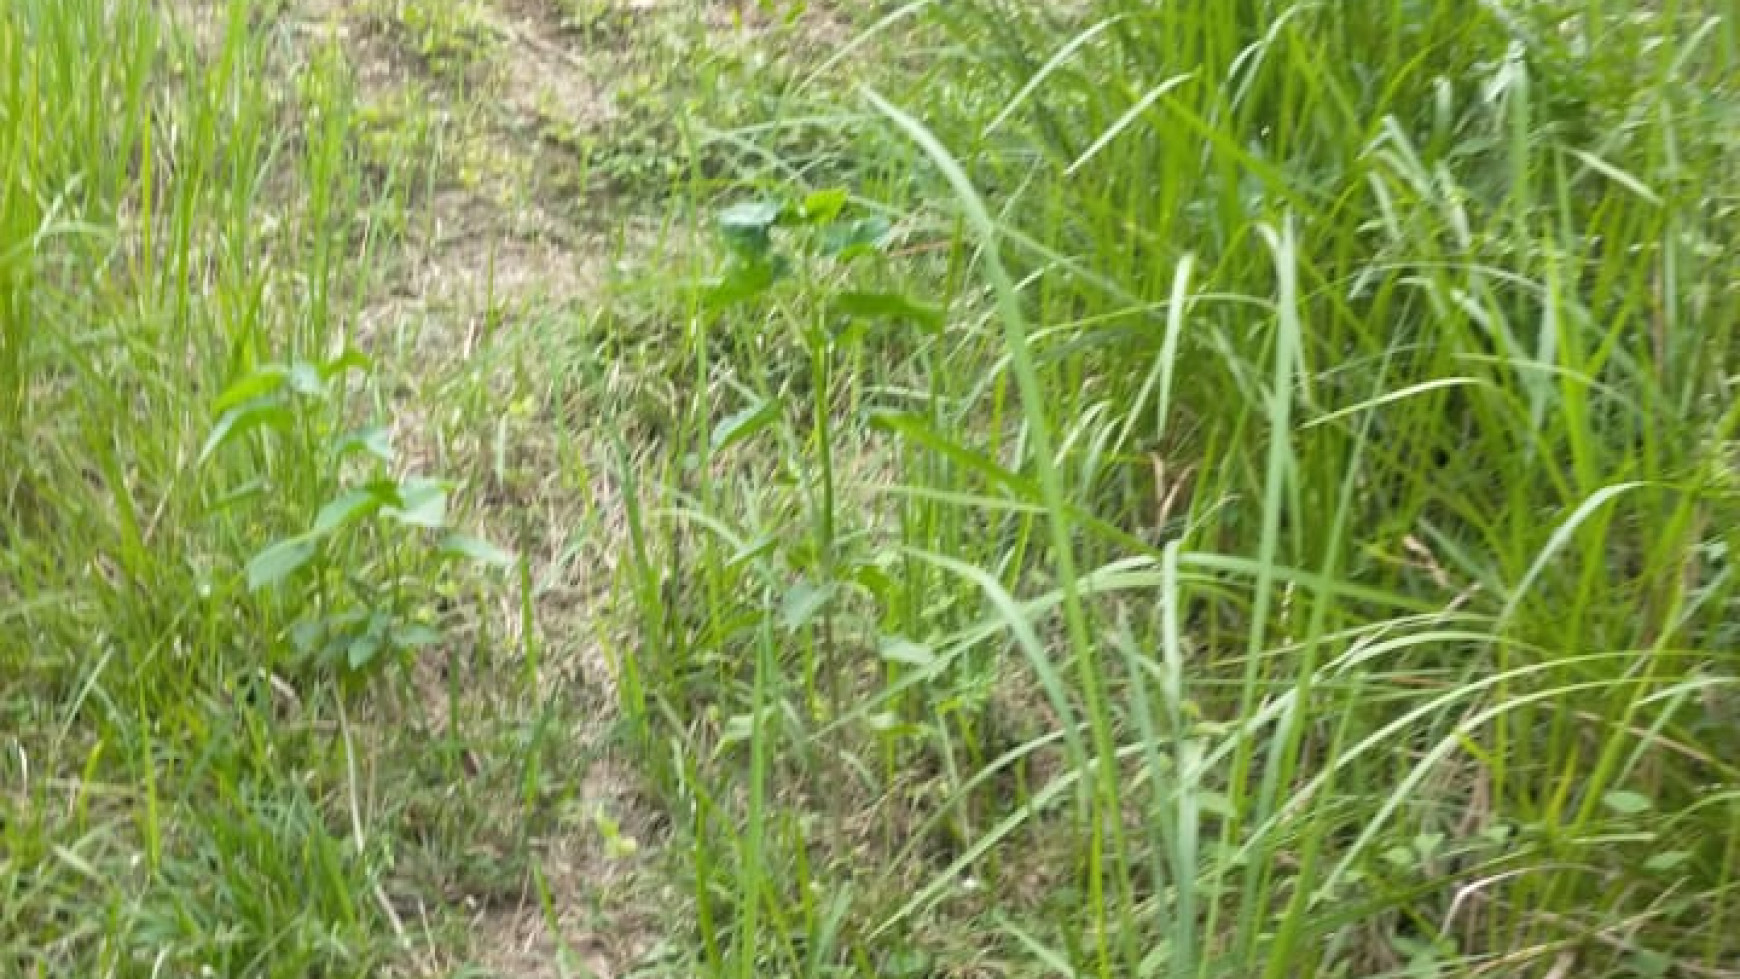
(598, 922)
(547, 77)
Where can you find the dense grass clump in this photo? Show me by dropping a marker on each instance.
(1288, 513)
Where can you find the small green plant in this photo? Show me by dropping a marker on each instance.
(811, 245)
(451, 38)
(359, 602)
(597, 22)
(815, 229)
(396, 130)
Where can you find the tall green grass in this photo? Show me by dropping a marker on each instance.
(1304, 550)
(184, 248)
(1142, 490)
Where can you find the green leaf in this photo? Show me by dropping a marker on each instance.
(803, 602)
(386, 490)
(889, 305)
(1627, 803)
(745, 227)
(896, 649)
(414, 635)
(476, 549)
(263, 381)
(744, 280)
(350, 359)
(422, 503)
(1667, 861)
(745, 424)
(759, 547)
(276, 562)
(348, 620)
(848, 239)
(375, 440)
(1647, 964)
(616, 843)
(307, 634)
(890, 724)
(363, 650)
(907, 962)
(741, 728)
(873, 579)
(1214, 803)
(306, 379)
(621, 847)
(346, 509)
(268, 412)
(824, 206)
(749, 216)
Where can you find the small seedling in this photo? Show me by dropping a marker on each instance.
(361, 603)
